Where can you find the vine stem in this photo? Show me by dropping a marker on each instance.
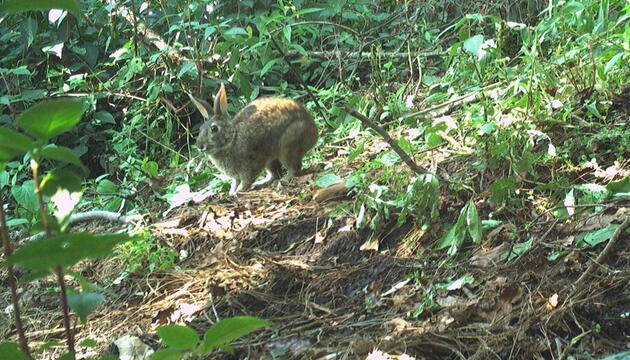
(58, 269)
(6, 242)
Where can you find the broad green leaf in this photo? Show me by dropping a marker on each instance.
(268, 66)
(25, 196)
(106, 186)
(287, 33)
(472, 222)
(13, 143)
(50, 118)
(88, 343)
(151, 168)
(235, 31)
(16, 222)
(9, 350)
(518, 249)
(83, 303)
(596, 237)
(621, 186)
(178, 337)
(228, 330)
(61, 153)
(473, 44)
(187, 67)
(66, 356)
(613, 61)
(168, 354)
(60, 179)
(454, 238)
(327, 180)
(104, 117)
(17, 6)
(65, 250)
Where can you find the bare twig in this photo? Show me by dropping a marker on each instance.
(601, 258)
(6, 242)
(403, 155)
(58, 269)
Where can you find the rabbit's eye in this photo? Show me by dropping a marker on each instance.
(214, 128)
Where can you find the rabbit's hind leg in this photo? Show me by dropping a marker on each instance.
(274, 172)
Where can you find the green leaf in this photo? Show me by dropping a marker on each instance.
(17, 6)
(106, 186)
(61, 153)
(178, 337)
(65, 250)
(88, 343)
(473, 45)
(187, 67)
(60, 179)
(51, 118)
(519, 249)
(235, 31)
(83, 303)
(151, 168)
(596, 237)
(621, 186)
(613, 61)
(25, 196)
(454, 238)
(104, 117)
(13, 143)
(168, 354)
(228, 330)
(327, 180)
(9, 350)
(287, 33)
(66, 356)
(268, 66)
(472, 222)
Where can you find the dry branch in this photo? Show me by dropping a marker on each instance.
(601, 259)
(403, 155)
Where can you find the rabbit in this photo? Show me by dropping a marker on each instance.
(268, 133)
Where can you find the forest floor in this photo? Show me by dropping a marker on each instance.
(333, 292)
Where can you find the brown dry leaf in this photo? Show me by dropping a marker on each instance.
(333, 192)
(593, 222)
(489, 257)
(370, 245)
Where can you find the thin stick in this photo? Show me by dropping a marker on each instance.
(58, 269)
(403, 155)
(6, 241)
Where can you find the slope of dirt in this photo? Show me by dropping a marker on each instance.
(272, 255)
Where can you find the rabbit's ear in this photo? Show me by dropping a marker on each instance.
(220, 102)
(203, 107)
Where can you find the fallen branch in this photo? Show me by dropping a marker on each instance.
(601, 259)
(333, 54)
(403, 155)
(450, 105)
(91, 216)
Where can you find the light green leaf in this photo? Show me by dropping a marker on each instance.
(83, 303)
(235, 31)
(105, 186)
(473, 45)
(327, 180)
(178, 337)
(228, 330)
(472, 222)
(51, 118)
(268, 66)
(65, 250)
(60, 179)
(12, 144)
(104, 117)
(9, 350)
(17, 6)
(61, 153)
(596, 237)
(25, 196)
(168, 354)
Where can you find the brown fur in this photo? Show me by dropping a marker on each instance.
(268, 133)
